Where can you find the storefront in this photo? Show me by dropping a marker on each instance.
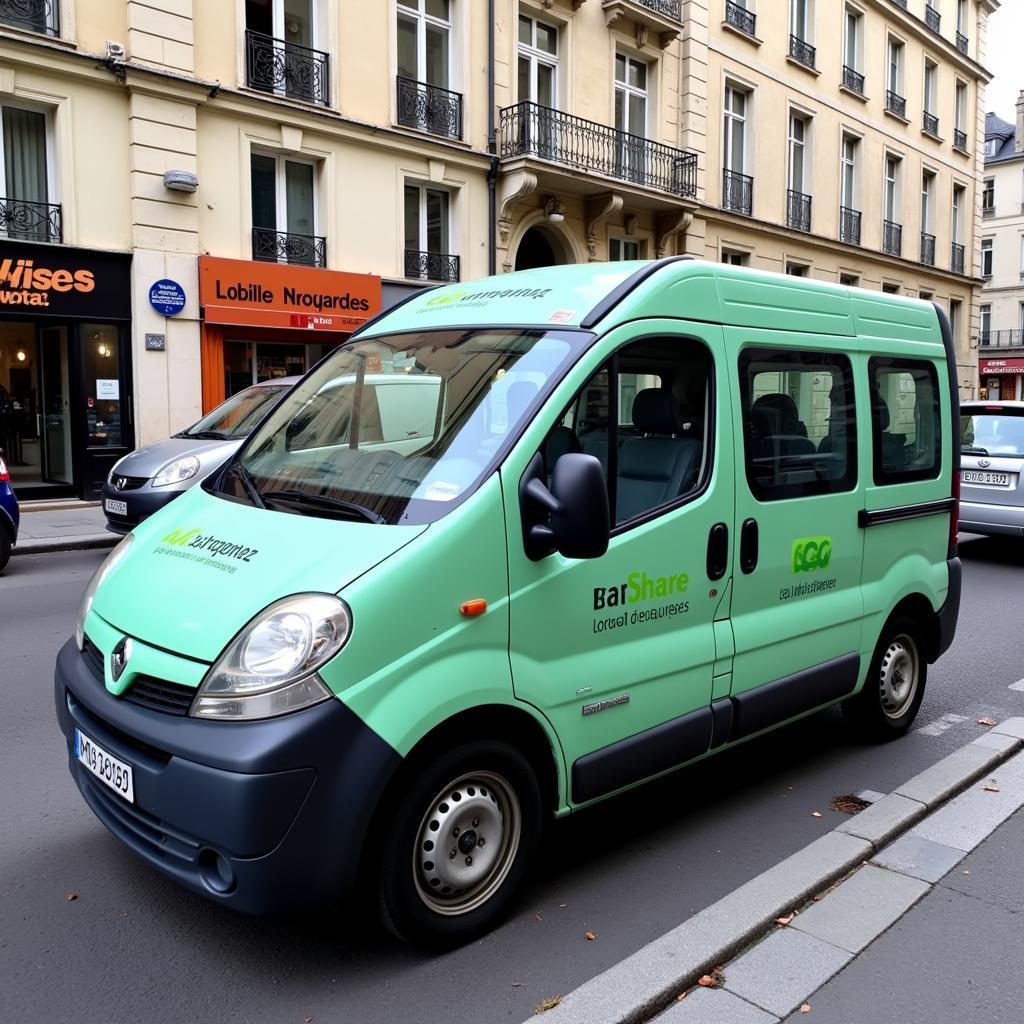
(266, 320)
(65, 367)
(1001, 378)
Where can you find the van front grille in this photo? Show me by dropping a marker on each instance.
(160, 695)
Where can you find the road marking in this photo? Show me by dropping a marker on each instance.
(1018, 686)
(941, 725)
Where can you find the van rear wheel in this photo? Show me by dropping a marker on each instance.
(894, 688)
(457, 845)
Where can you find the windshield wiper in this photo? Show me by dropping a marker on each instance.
(247, 484)
(208, 435)
(970, 450)
(324, 503)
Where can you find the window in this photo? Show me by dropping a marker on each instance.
(925, 296)
(625, 249)
(852, 43)
(959, 114)
(985, 324)
(538, 62)
(26, 208)
(427, 233)
(653, 441)
(848, 195)
(927, 188)
(961, 17)
(797, 269)
(931, 120)
(799, 427)
(280, 55)
(986, 257)
(425, 99)
(991, 147)
(957, 224)
(956, 316)
(850, 280)
(894, 81)
(988, 197)
(892, 200)
(735, 259)
(32, 17)
(890, 288)
(630, 116)
(735, 129)
(797, 151)
(905, 420)
(284, 211)
(800, 19)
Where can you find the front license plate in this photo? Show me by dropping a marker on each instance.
(115, 508)
(973, 476)
(113, 773)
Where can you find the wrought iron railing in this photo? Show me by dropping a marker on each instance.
(737, 192)
(272, 246)
(798, 210)
(956, 258)
(298, 72)
(932, 18)
(432, 266)
(31, 222)
(927, 249)
(963, 44)
(529, 129)
(739, 17)
(896, 104)
(666, 8)
(1002, 339)
(801, 51)
(892, 238)
(429, 108)
(929, 123)
(849, 225)
(960, 139)
(853, 79)
(989, 209)
(32, 15)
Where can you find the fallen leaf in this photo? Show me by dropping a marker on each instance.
(706, 981)
(546, 1004)
(849, 804)
(72, 896)
(987, 721)
(680, 997)
(785, 920)
(991, 789)
(815, 814)
(805, 1007)
(716, 979)
(307, 1020)
(965, 872)
(590, 936)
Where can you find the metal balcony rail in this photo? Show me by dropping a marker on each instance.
(927, 249)
(932, 18)
(737, 192)
(432, 266)
(741, 18)
(298, 72)
(801, 51)
(962, 42)
(1002, 339)
(272, 246)
(666, 8)
(529, 129)
(960, 139)
(849, 225)
(429, 108)
(798, 210)
(956, 258)
(895, 103)
(32, 15)
(988, 209)
(853, 79)
(31, 222)
(892, 238)
(929, 123)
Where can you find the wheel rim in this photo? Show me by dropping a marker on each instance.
(899, 676)
(466, 843)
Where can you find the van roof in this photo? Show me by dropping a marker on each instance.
(586, 295)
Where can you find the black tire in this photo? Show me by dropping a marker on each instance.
(5, 548)
(495, 787)
(888, 703)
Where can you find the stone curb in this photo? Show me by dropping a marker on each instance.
(647, 983)
(79, 543)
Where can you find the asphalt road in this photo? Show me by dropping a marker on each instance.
(132, 946)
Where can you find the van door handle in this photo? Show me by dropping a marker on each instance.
(748, 545)
(718, 551)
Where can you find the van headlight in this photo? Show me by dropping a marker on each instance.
(85, 605)
(177, 471)
(271, 667)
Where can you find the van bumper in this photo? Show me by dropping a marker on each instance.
(950, 610)
(260, 816)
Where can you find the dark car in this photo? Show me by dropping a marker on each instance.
(9, 515)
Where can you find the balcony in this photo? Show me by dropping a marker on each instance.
(663, 18)
(892, 238)
(927, 249)
(932, 18)
(429, 108)
(798, 211)
(1002, 339)
(962, 43)
(960, 140)
(298, 72)
(956, 258)
(272, 246)
(737, 192)
(432, 266)
(741, 19)
(531, 130)
(31, 222)
(32, 15)
(802, 52)
(929, 124)
(849, 225)
(853, 80)
(895, 104)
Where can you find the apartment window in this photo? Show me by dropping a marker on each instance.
(284, 211)
(849, 215)
(625, 249)
(853, 77)
(32, 16)
(930, 123)
(280, 54)
(428, 253)
(894, 97)
(932, 18)
(892, 229)
(739, 14)
(798, 209)
(986, 258)
(956, 316)
(988, 197)
(985, 324)
(956, 234)
(734, 258)
(737, 187)
(890, 288)
(630, 95)
(925, 296)
(991, 147)
(927, 238)
(1020, 319)
(26, 212)
(538, 62)
(850, 280)
(797, 269)
(425, 100)
(800, 34)
(962, 40)
(960, 116)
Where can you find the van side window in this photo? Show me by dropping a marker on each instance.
(799, 424)
(653, 439)
(906, 423)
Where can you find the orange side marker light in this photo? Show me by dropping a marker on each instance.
(477, 606)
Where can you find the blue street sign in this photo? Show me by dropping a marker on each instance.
(167, 297)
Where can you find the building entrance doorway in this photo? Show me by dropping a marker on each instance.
(540, 247)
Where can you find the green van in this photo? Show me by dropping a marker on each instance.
(632, 514)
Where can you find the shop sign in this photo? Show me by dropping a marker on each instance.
(253, 294)
(54, 280)
(167, 297)
(1001, 366)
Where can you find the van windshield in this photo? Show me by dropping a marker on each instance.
(400, 428)
(993, 432)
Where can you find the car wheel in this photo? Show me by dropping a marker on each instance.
(457, 844)
(894, 688)
(5, 549)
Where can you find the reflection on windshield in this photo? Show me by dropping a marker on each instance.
(238, 415)
(996, 433)
(405, 425)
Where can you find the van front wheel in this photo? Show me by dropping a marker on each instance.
(458, 844)
(894, 688)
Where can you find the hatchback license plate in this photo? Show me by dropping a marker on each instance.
(972, 476)
(115, 508)
(114, 774)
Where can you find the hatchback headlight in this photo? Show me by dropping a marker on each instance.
(271, 667)
(177, 471)
(85, 605)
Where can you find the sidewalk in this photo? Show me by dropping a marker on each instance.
(62, 526)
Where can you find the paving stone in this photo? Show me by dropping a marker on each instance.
(872, 796)
(1011, 727)
(781, 972)
(858, 911)
(920, 858)
(715, 1006)
(998, 741)
(951, 774)
(884, 819)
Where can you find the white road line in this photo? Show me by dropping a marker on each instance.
(1018, 686)
(941, 725)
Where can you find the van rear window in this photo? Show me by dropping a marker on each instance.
(906, 422)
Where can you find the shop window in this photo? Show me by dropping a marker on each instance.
(428, 254)
(102, 386)
(26, 212)
(247, 363)
(906, 420)
(284, 212)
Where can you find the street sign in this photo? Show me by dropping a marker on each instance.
(167, 297)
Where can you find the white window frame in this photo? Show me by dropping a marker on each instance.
(423, 188)
(959, 103)
(422, 20)
(632, 90)
(806, 9)
(895, 60)
(857, 16)
(51, 175)
(956, 214)
(891, 187)
(987, 249)
(797, 146)
(850, 202)
(927, 201)
(984, 320)
(734, 257)
(623, 241)
(929, 88)
(961, 17)
(278, 21)
(281, 186)
(728, 117)
(537, 56)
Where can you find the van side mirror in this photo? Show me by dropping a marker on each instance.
(573, 517)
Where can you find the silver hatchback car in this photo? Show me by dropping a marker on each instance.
(992, 468)
(148, 478)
